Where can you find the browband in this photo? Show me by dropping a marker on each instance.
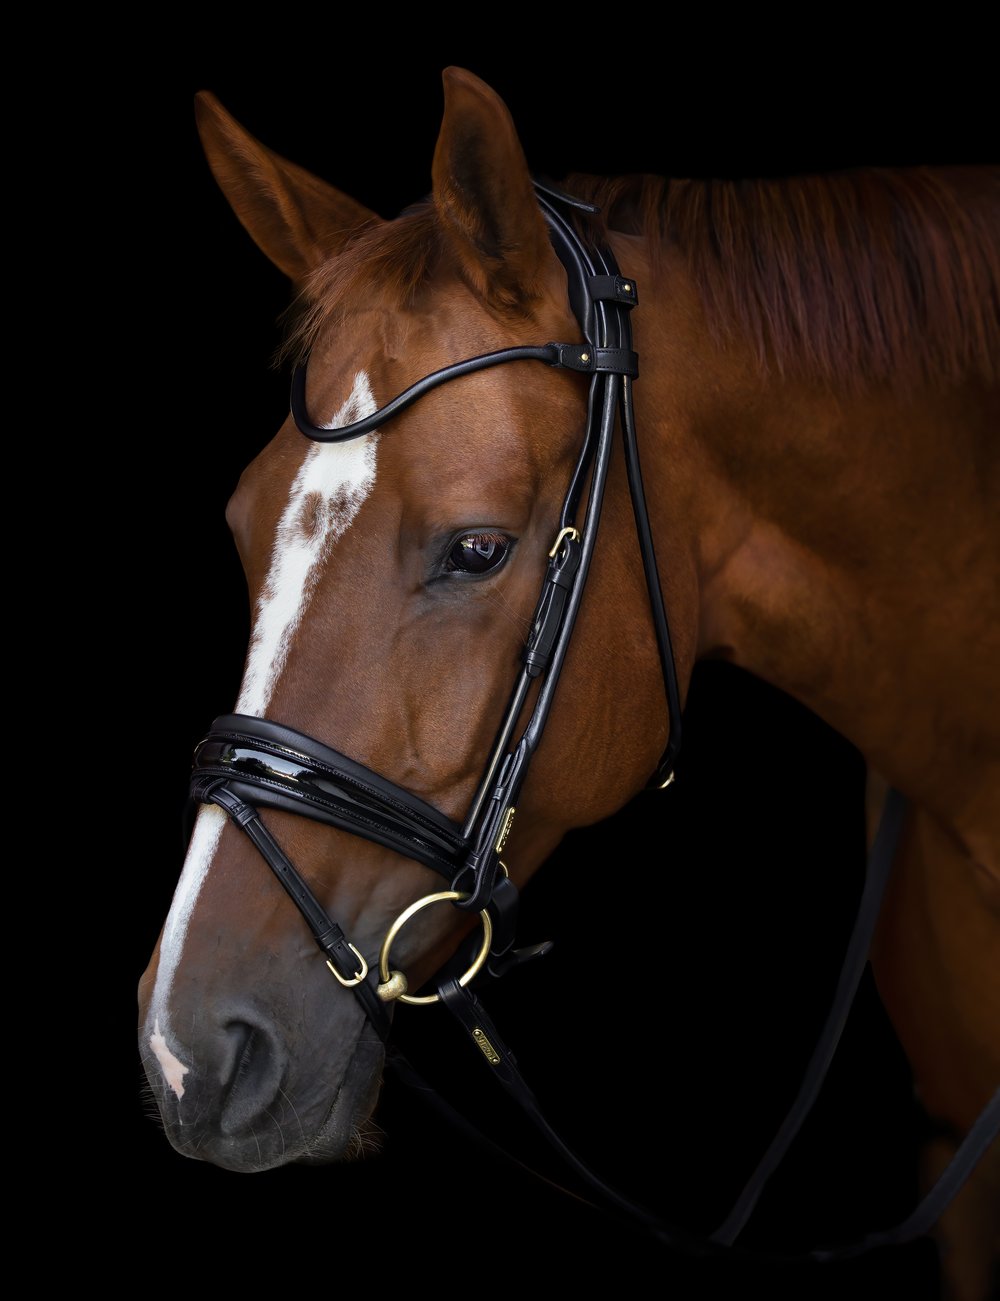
(586, 359)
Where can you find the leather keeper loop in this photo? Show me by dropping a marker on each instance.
(613, 289)
(586, 358)
(548, 619)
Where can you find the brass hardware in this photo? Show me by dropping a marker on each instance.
(395, 987)
(585, 356)
(400, 922)
(485, 1047)
(508, 819)
(627, 288)
(359, 975)
(669, 780)
(563, 533)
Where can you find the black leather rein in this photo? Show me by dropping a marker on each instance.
(245, 763)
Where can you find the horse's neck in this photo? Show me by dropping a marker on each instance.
(846, 550)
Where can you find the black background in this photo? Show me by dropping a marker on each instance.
(699, 933)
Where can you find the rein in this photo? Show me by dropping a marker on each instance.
(245, 763)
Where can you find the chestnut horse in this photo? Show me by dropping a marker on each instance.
(818, 420)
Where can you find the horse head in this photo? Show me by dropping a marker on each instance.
(394, 578)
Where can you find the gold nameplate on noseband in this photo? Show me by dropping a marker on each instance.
(392, 984)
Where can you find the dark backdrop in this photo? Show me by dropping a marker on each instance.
(699, 933)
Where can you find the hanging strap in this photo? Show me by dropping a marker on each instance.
(479, 1026)
(880, 860)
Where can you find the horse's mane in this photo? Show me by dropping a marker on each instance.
(873, 275)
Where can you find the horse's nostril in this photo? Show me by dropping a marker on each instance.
(251, 1076)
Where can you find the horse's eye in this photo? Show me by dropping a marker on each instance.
(477, 553)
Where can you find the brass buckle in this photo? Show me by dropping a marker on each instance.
(572, 533)
(359, 975)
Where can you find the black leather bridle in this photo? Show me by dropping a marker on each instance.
(246, 763)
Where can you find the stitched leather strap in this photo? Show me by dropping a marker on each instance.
(973, 1147)
(551, 607)
(328, 935)
(880, 860)
(275, 766)
(467, 1009)
(321, 434)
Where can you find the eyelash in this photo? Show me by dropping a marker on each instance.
(474, 543)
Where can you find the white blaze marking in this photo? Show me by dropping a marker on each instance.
(201, 851)
(326, 494)
(173, 1069)
(336, 478)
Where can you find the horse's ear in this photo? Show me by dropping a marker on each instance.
(295, 218)
(484, 195)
